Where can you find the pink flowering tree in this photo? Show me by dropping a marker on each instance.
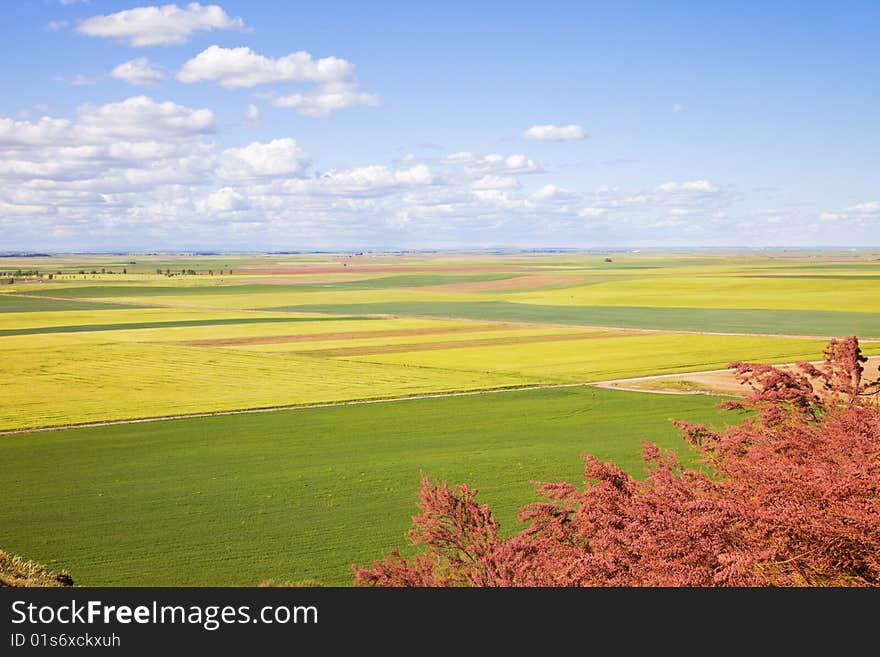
(788, 497)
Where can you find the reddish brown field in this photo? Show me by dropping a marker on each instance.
(373, 269)
(349, 335)
(458, 344)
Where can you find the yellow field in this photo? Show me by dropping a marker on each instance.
(211, 345)
(789, 293)
(93, 375)
(612, 357)
(93, 381)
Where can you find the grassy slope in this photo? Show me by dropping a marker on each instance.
(298, 494)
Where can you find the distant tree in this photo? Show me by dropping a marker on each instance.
(788, 497)
(124, 270)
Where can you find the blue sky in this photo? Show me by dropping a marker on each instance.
(336, 125)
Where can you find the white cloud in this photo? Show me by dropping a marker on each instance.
(71, 2)
(335, 87)
(495, 182)
(866, 208)
(81, 80)
(145, 174)
(139, 71)
(252, 114)
(277, 158)
(493, 163)
(552, 192)
(140, 117)
(689, 186)
(551, 132)
(676, 108)
(54, 26)
(135, 144)
(460, 157)
(223, 200)
(159, 26)
(242, 67)
(324, 99)
(370, 179)
(858, 214)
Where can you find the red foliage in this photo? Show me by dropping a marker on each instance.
(789, 497)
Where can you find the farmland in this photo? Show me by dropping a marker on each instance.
(302, 493)
(297, 495)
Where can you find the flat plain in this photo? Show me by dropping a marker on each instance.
(303, 493)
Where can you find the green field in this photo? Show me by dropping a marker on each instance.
(304, 493)
(726, 320)
(299, 494)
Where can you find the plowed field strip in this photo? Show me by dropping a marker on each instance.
(348, 335)
(458, 344)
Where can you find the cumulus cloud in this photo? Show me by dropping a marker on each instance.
(369, 180)
(277, 158)
(140, 71)
(252, 114)
(860, 213)
(159, 26)
(140, 117)
(552, 132)
(495, 182)
(242, 67)
(334, 85)
(321, 101)
(689, 186)
(140, 173)
(549, 192)
(225, 199)
(135, 144)
(872, 207)
(493, 163)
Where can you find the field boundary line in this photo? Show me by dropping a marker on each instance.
(294, 407)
